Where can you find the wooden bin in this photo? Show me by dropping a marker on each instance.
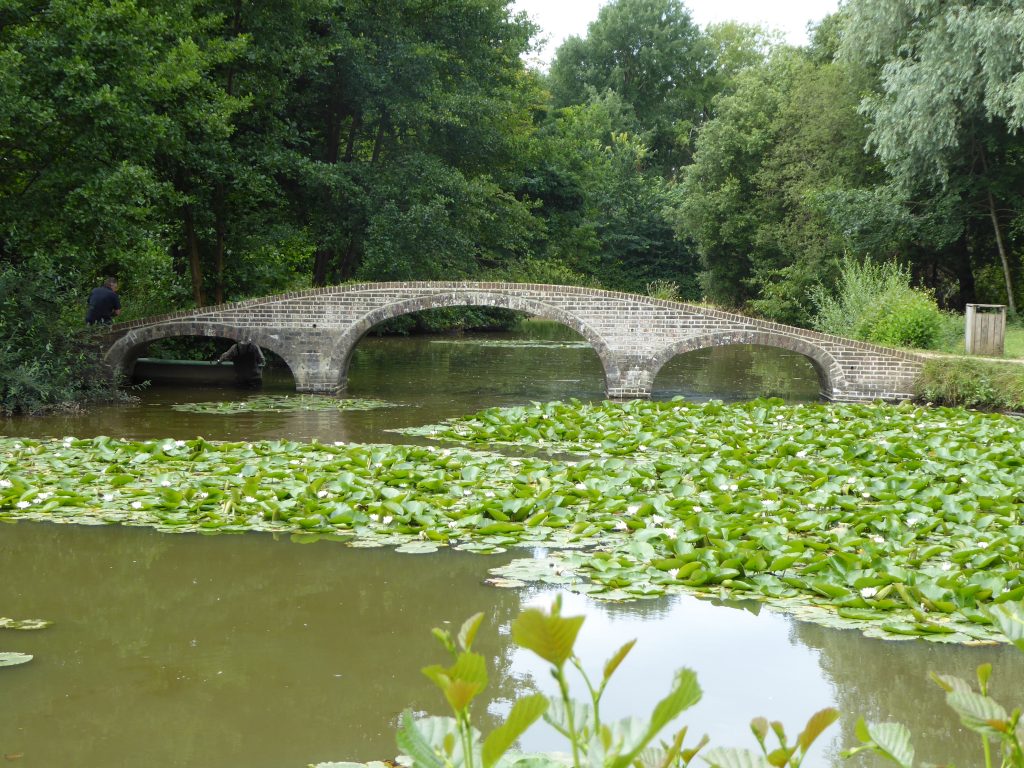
(985, 329)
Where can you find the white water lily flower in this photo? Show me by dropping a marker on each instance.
(108, 497)
(878, 539)
(769, 503)
(136, 505)
(23, 504)
(489, 494)
(866, 495)
(641, 447)
(698, 508)
(386, 520)
(868, 592)
(982, 545)
(946, 566)
(5, 483)
(633, 509)
(801, 454)
(179, 443)
(321, 493)
(375, 518)
(249, 499)
(580, 487)
(620, 525)
(734, 487)
(453, 524)
(670, 532)
(657, 519)
(202, 495)
(339, 443)
(44, 495)
(165, 483)
(912, 521)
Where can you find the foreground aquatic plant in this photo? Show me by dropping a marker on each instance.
(453, 742)
(898, 521)
(282, 404)
(977, 711)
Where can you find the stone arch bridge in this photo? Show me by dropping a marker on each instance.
(316, 331)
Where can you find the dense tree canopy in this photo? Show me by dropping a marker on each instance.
(208, 150)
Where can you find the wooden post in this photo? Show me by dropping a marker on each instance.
(985, 329)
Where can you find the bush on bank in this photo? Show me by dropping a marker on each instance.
(971, 383)
(48, 359)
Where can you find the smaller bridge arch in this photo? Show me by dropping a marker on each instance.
(123, 353)
(341, 355)
(830, 373)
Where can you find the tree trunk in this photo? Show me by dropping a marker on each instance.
(195, 266)
(221, 229)
(1002, 253)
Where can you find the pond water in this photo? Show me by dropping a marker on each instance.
(247, 650)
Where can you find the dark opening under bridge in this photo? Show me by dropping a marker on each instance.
(316, 331)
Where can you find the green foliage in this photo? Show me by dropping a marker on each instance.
(48, 359)
(875, 302)
(970, 383)
(454, 743)
(652, 55)
(667, 290)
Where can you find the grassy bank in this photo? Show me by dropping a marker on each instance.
(972, 383)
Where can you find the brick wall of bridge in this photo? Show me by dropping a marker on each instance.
(634, 336)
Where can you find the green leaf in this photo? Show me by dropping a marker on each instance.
(819, 721)
(730, 757)
(1009, 617)
(977, 712)
(613, 663)
(415, 744)
(524, 714)
(892, 740)
(550, 636)
(467, 633)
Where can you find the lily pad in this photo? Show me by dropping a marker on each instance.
(11, 659)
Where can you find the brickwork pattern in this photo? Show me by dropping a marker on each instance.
(316, 331)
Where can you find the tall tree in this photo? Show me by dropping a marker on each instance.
(952, 103)
(656, 59)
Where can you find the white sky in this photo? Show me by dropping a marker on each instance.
(558, 19)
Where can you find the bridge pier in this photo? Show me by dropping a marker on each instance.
(628, 381)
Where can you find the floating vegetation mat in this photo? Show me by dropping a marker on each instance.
(898, 521)
(282, 404)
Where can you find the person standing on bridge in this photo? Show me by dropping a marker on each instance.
(104, 303)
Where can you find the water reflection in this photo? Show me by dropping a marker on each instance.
(739, 372)
(184, 650)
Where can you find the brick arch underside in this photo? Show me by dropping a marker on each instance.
(125, 351)
(830, 374)
(342, 354)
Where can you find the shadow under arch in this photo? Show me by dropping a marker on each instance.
(341, 355)
(125, 351)
(831, 378)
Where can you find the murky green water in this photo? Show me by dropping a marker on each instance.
(185, 650)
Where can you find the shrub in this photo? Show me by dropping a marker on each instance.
(667, 290)
(48, 359)
(909, 319)
(972, 384)
(876, 302)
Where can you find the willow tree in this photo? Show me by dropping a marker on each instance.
(952, 100)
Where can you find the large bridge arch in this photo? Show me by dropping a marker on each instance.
(125, 351)
(830, 374)
(341, 354)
